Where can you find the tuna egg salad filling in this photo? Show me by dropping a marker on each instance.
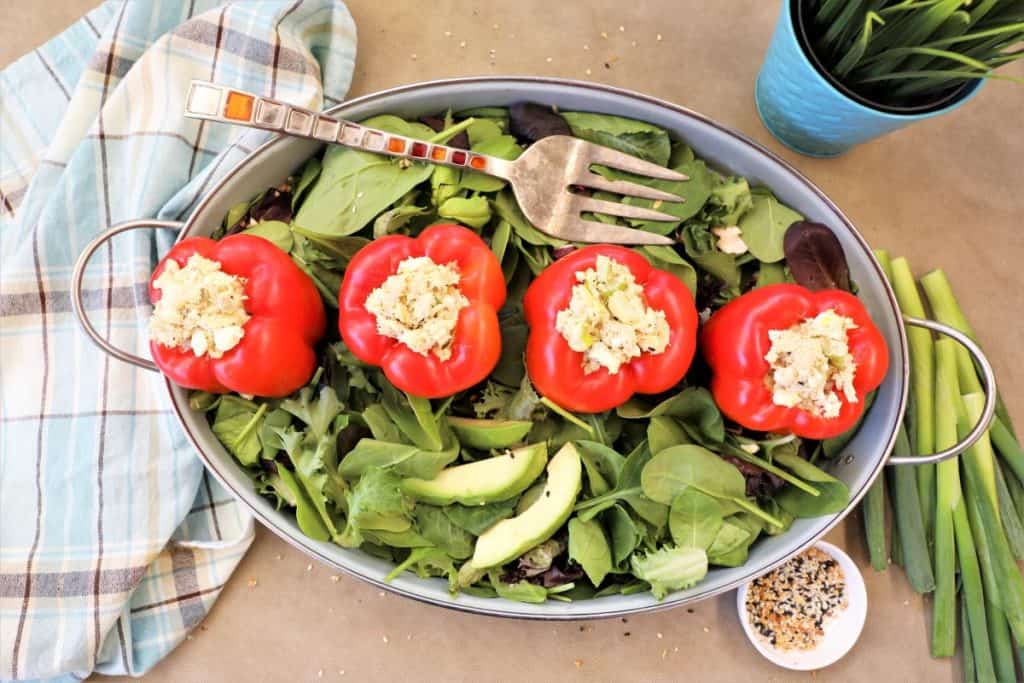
(201, 308)
(608, 319)
(419, 305)
(811, 365)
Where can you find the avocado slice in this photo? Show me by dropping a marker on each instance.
(510, 538)
(484, 481)
(487, 434)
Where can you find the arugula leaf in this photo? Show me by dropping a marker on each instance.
(273, 231)
(730, 199)
(521, 591)
(306, 514)
(694, 519)
(764, 226)
(270, 443)
(237, 425)
(376, 503)
(435, 526)
(633, 137)
(625, 536)
(415, 419)
(588, 547)
(477, 519)
(311, 472)
(355, 186)
(670, 569)
(318, 413)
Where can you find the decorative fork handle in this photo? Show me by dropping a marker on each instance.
(212, 102)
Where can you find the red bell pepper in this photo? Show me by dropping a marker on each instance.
(557, 371)
(476, 345)
(735, 342)
(275, 356)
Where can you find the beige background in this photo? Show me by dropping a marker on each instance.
(948, 192)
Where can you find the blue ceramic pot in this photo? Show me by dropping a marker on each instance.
(809, 114)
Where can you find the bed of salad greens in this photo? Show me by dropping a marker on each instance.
(669, 486)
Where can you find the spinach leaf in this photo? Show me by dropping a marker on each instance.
(633, 137)
(309, 520)
(310, 172)
(628, 489)
(730, 537)
(667, 258)
(664, 432)
(670, 569)
(510, 368)
(701, 246)
(730, 199)
(507, 208)
(355, 186)
(421, 561)
(694, 519)
(408, 538)
(603, 465)
(834, 494)
(396, 218)
(472, 211)
(588, 547)
(237, 425)
(435, 526)
(815, 257)
(678, 467)
(500, 238)
(625, 535)
(771, 274)
(764, 226)
(694, 192)
(477, 519)
(694, 406)
(273, 231)
(371, 453)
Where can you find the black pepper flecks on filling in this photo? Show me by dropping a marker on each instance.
(790, 606)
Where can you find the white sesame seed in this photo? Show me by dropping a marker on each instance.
(447, 34)
(658, 37)
(660, 636)
(622, 29)
(278, 556)
(604, 34)
(413, 56)
(385, 639)
(320, 673)
(309, 567)
(633, 43)
(707, 630)
(335, 578)
(588, 72)
(381, 594)
(495, 27)
(548, 60)
(462, 43)
(586, 47)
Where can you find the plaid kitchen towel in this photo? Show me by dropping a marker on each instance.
(113, 542)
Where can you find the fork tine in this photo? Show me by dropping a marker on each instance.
(580, 230)
(581, 204)
(626, 187)
(596, 154)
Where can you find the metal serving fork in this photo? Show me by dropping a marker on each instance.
(541, 177)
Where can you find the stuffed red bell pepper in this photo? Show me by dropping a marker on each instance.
(605, 324)
(785, 359)
(425, 309)
(234, 315)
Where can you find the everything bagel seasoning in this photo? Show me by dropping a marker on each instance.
(790, 606)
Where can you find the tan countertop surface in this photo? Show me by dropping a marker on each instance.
(947, 192)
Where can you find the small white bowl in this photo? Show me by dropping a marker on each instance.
(841, 631)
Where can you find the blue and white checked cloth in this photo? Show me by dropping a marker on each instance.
(113, 542)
